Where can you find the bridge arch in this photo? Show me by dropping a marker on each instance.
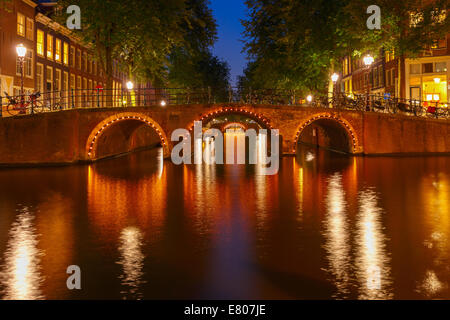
(333, 119)
(259, 118)
(100, 129)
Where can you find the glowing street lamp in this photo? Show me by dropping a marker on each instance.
(21, 52)
(163, 103)
(130, 85)
(309, 98)
(368, 60)
(335, 78)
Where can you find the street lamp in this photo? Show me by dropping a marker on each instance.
(309, 98)
(335, 78)
(130, 85)
(163, 103)
(21, 52)
(368, 60)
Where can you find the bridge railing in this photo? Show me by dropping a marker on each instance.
(106, 98)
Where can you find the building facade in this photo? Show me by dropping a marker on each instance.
(17, 26)
(57, 63)
(424, 78)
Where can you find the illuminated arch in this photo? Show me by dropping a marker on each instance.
(91, 145)
(351, 133)
(234, 124)
(262, 120)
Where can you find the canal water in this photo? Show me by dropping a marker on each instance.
(326, 226)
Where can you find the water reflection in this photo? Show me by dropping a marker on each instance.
(20, 275)
(337, 235)
(436, 197)
(132, 262)
(372, 259)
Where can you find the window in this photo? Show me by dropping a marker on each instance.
(390, 55)
(441, 67)
(84, 62)
(72, 81)
(58, 50)
(49, 79)
(66, 53)
(20, 24)
(28, 65)
(79, 59)
(39, 77)
(40, 43)
(414, 69)
(65, 88)
(427, 68)
(72, 57)
(90, 64)
(57, 80)
(440, 44)
(30, 29)
(49, 46)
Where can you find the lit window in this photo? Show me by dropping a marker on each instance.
(40, 43)
(29, 64)
(441, 67)
(30, 29)
(49, 46)
(66, 53)
(20, 24)
(415, 68)
(58, 50)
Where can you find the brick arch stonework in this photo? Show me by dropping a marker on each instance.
(91, 143)
(261, 119)
(352, 134)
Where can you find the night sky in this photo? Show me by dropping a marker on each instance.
(228, 14)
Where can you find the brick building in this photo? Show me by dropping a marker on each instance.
(424, 78)
(57, 63)
(17, 26)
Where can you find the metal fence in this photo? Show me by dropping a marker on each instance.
(102, 98)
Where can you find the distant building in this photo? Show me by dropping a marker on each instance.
(57, 63)
(425, 78)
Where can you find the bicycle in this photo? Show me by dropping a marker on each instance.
(32, 105)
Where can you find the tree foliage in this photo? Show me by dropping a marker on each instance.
(151, 38)
(295, 44)
(192, 63)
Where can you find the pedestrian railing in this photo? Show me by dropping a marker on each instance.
(108, 98)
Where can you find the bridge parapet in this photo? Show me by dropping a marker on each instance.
(67, 136)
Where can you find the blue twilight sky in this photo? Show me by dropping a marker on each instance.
(228, 14)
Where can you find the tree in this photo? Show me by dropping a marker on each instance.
(192, 65)
(296, 44)
(140, 33)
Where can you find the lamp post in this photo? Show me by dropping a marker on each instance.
(21, 52)
(334, 79)
(130, 87)
(368, 60)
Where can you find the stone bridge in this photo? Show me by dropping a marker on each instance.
(84, 134)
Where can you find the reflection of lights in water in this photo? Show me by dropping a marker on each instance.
(431, 284)
(337, 234)
(132, 261)
(436, 216)
(372, 260)
(198, 151)
(310, 157)
(160, 162)
(20, 275)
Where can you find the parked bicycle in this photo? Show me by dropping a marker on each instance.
(18, 105)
